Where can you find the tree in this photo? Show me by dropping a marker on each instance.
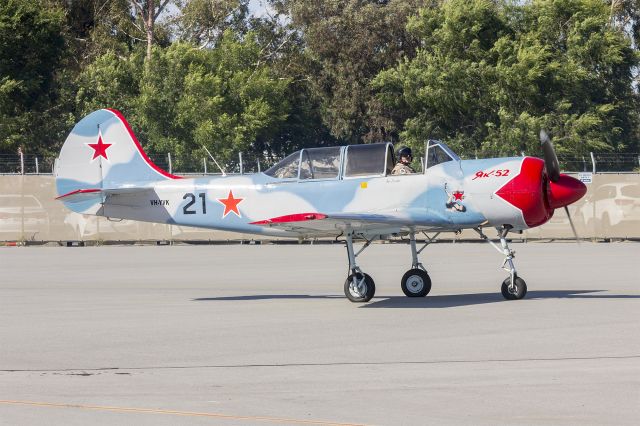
(489, 75)
(221, 99)
(203, 22)
(32, 50)
(149, 11)
(348, 43)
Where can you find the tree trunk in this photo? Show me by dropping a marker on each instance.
(149, 27)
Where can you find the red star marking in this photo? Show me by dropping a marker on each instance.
(458, 195)
(100, 148)
(230, 204)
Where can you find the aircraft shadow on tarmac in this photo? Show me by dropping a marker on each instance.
(434, 302)
(267, 297)
(449, 301)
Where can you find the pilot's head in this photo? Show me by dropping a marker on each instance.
(404, 155)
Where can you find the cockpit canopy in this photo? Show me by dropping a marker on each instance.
(350, 161)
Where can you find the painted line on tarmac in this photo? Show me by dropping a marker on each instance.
(323, 364)
(175, 413)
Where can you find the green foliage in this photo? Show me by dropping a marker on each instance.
(204, 22)
(349, 43)
(483, 75)
(220, 99)
(31, 53)
(488, 76)
(110, 81)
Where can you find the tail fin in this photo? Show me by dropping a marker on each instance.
(102, 153)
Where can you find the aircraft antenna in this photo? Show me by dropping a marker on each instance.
(214, 160)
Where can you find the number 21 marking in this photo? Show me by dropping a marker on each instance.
(192, 201)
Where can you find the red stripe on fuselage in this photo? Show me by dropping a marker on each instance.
(298, 217)
(526, 192)
(140, 150)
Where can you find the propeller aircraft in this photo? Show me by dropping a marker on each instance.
(342, 191)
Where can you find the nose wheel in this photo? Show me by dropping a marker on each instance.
(514, 287)
(516, 291)
(415, 283)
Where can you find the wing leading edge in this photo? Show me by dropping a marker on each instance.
(336, 223)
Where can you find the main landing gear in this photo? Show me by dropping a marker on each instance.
(513, 287)
(360, 287)
(416, 281)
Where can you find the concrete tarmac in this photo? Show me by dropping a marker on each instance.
(264, 335)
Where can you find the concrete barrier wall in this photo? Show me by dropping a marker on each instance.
(29, 212)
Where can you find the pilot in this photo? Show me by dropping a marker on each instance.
(404, 160)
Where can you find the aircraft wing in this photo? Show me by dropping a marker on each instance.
(313, 224)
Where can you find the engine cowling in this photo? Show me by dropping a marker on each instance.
(536, 196)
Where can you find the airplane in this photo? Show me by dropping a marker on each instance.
(340, 192)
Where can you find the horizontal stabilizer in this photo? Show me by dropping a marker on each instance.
(81, 195)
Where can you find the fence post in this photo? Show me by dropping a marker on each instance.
(21, 161)
(241, 168)
(170, 165)
(37, 168)
(593, 161)
(204, 162)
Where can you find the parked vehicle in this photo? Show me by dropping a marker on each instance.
(22, 216)
(611, 204)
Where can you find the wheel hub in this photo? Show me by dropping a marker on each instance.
(358, 287)
(415, 284)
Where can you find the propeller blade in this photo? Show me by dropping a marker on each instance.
(573, 228)
(550, 158)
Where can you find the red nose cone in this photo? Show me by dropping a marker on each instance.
(565, 191)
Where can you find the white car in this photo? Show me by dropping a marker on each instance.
(22, 213)
(612, 204)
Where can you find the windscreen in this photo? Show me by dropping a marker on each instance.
(436, 155)
(286, 168)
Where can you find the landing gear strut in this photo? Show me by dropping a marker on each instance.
(513, 287)
(416, 281)
(358, 287)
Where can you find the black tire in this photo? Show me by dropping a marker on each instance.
(370, 290)
(521, 289)
(415, 283)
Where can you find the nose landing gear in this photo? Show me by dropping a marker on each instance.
(514, 287)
